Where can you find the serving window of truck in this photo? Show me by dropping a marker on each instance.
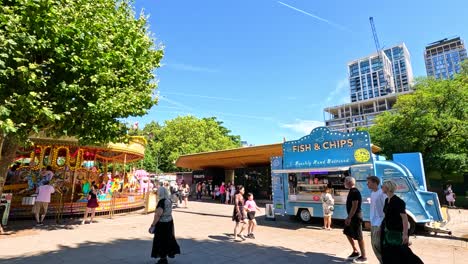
(324, 158)
(319, 160)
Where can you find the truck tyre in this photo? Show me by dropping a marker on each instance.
(411, 226)
(304, 215)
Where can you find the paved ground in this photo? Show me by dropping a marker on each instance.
(204, 234)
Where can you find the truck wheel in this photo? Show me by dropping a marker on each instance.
(411, 226)
(305, 216)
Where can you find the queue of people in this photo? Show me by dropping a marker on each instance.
(389, 223)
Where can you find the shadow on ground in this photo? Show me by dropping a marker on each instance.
(214, 249)
(67, 222)
(28, 227)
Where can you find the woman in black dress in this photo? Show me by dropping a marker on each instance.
(394, 229)
(164, 242)
(238, 214)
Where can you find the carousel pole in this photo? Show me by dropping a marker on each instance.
(124, 172)
(112, 203)
(74, 178)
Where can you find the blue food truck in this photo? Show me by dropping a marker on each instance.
(324, 158)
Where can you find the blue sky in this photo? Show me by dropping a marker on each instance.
(268, 68)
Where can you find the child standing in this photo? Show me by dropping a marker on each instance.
(327, 204)
(251, 207)
(450, 196)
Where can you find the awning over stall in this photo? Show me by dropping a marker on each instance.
(312, 170)
(237, 158)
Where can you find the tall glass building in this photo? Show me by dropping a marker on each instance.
(370, 77)
(443, 57)
(380, 74)
(401, 67)
(375, 82)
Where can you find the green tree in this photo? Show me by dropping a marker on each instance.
(181, 136)
(72, 67)
(152, 160)
(433, 120)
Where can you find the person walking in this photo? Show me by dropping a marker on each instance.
(180, 190)
(238, 215)
(199, 190)
(216, 192)
(222, 192)
(185, 194)
(91, 205)
(353, 223)
(228, 194)
(394, 229)
(209, 188)
(164, 243)
(251, 207)
(44, 193)
(377, 203)
(327, 205)
(232, 192)
(395, 240)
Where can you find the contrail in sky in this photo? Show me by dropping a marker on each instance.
(183, 106)
(205, 96)
(315, 16)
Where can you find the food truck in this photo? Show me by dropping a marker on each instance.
(324, 158)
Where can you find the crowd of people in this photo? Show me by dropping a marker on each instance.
(389, 223)
(388, 219)
(224, 193)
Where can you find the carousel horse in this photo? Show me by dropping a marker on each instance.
(115, 185)
(86, 188)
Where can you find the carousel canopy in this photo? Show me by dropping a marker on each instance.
(111, 152)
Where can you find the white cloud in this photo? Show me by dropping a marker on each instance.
(340, 94)
(303, 126)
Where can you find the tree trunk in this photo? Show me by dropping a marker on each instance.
(8, 154)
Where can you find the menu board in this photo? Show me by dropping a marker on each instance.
(277, 186)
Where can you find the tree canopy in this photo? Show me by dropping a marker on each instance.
(72, 67)
(184, 135)
(433, 120)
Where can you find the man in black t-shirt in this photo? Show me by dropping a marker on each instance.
(353, 228)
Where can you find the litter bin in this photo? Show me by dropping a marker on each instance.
(269, 212)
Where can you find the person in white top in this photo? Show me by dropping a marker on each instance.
(327, 205)
(376, 213)
(233, 192)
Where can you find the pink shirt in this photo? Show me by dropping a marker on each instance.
(44, 193)
(251, 205)
(222, 189)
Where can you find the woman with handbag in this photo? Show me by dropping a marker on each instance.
(164, 242)
(394, 229)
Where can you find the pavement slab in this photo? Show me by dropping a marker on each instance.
(204, 232)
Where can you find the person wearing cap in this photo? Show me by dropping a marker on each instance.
(44, 193)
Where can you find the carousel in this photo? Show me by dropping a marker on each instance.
(72, 169)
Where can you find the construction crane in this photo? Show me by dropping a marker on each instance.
(374, 33)
(379, 53)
